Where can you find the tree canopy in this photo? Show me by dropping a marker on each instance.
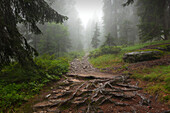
(13, 45)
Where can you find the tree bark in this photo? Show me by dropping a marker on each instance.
(166, 19)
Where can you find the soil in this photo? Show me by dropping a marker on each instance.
(86, 90)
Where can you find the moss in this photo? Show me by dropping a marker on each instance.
(143, 55)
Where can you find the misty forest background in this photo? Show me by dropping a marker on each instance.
(124, 25)
(37, 42)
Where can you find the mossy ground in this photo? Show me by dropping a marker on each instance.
(158, 78)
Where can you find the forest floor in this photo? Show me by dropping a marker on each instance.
(86, 90)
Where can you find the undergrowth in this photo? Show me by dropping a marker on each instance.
(19, 83)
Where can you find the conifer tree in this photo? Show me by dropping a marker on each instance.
(13, 45)
(154, 19)
(95, 41)
(109, 41)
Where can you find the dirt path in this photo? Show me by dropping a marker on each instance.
(84, 68)
(86, 90)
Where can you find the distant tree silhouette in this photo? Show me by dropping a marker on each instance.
(95, 41)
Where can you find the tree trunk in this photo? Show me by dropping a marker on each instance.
(166, 19)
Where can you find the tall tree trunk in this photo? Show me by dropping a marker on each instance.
(166, 19)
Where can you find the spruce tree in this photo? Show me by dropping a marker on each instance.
(95, 41)
(154, 19)
(109, 41)
(13, 45)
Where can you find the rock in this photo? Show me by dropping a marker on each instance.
(54, 110)
(133, 57)
(43, 104)
(47, 96)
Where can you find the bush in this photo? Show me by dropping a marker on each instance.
(104, 50)
(53, 67)
(110, 50)
(73, 55)
(15, 73)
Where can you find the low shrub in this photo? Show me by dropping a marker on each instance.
(104, 50)
(110, 50)
(53, 67)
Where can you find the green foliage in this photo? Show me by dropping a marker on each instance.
(17, 73)
(154, 21)
(18, 84)
(13, 44)
(141, 45)
(53, 67)
(104, 50)
(110, 50)
(95, 53)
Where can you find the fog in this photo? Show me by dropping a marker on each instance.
(88, 20)
(88, 8)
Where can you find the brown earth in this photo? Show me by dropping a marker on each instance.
(86, 90)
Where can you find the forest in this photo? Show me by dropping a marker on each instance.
(84, 56)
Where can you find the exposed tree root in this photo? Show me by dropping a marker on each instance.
(94, 92)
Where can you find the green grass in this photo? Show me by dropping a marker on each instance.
(159, 76)
(139, 46)
(106, 61)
